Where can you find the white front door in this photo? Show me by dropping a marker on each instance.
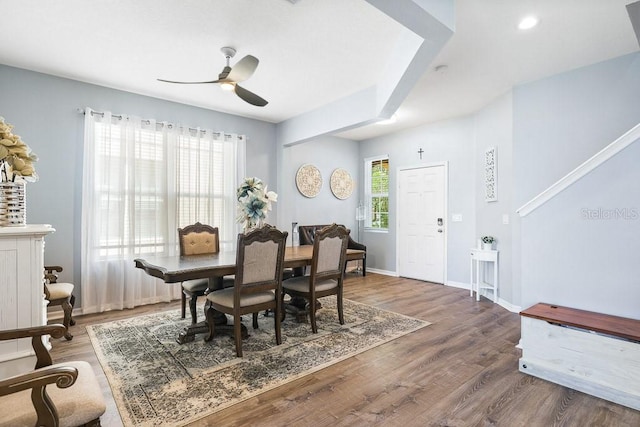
(421, 227)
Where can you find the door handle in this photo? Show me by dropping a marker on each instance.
(439, 230)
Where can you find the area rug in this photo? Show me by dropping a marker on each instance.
(157, 382)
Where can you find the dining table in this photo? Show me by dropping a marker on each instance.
(176, 269)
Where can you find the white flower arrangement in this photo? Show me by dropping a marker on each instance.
(254, 201)
(16, 158)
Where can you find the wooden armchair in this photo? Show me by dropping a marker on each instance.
(59, 293)
(73, 398)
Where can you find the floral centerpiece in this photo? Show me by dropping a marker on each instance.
(254, 201)
(16, 158)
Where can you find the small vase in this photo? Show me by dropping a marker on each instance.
(13, 209)
(487, 246)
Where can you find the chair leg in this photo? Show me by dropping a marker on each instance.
(255, 320)
(340, 310)
(67, 308)
(209, 316)
(276, 319)
(364, 266)
(237, 334)
(312, 315)
(193, 302)
(72, 301)
(183, 313)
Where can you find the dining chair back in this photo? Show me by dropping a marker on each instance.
(327, 271)
(258, 282)
(196, 239)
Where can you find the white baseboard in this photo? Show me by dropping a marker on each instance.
(460, 285)
(383, 272)
(501, 302)
(511, 307)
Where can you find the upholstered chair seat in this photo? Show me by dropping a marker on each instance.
(301, 284)
(75, 395)
(60, 293)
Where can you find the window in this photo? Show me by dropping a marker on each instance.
(142, 180)
(377, 192)
(137, 204)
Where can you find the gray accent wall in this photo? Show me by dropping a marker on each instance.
(452, 141)
(43, 109)
(494, 128)
(559, 122)
(327, 153)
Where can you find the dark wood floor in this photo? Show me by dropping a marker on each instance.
(460, 371)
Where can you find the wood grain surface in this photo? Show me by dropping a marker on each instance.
(460, 371)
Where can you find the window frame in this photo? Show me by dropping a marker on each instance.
(369, 194)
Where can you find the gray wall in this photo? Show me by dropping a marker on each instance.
(43, 110)
(326, 153)
(560, 122)
(451, 141)
(493, 128)
(581, 248)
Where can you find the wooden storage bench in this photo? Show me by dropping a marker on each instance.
(590, 352)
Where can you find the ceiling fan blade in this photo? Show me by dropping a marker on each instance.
(187, 83)
(243, 69)
(250, 97)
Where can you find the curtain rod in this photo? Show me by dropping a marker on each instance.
(147, 121)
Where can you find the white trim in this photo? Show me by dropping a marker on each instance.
(600, 157)
(460, 285)
(507, 305)
(445, 164)
(383, 272)
(368, 162)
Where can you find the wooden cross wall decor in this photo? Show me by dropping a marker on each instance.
(420, 151)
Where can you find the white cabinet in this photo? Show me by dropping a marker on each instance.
(479, 263)
(22, 302)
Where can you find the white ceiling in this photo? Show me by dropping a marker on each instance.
(311, 53)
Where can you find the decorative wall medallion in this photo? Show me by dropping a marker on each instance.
(490, 175)
(308, 180)
(341, 184)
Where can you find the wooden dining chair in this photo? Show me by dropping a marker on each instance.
(197, 239)
(327, 271)
(258, 282)
(60, 293)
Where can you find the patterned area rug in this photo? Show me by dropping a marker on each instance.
(157, 382)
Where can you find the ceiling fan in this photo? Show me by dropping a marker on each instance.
(230, 77)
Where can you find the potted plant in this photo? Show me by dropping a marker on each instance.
(487, 242)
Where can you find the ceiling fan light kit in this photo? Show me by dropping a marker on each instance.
(230, 77)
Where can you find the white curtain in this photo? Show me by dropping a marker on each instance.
(142, 180)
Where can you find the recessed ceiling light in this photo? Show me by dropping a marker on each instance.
(528, 22)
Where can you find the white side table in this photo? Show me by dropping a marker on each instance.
(479, 260)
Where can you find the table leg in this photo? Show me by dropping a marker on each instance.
(299, 307)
